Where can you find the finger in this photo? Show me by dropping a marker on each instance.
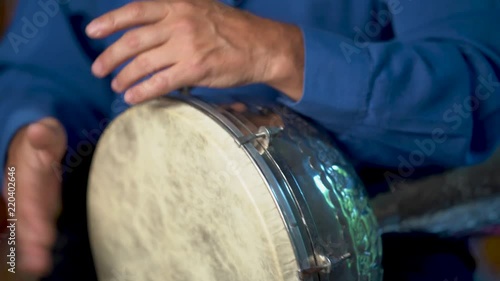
(128, 46)
(49, 135)
(41, 235)
(37, 262)
(130, 15)
(36, 236)
(38, 194)
(36, 220)
(48, 145)
(47, 193)
(143, 65)
(38, 227)
(164, 82)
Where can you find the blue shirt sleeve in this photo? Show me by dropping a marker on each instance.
(44, 72)
(429, 96)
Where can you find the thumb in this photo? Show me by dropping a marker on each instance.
(48, 134)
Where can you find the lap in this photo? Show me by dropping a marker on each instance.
(413, 256)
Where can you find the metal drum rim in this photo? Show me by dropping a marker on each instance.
(288, 208)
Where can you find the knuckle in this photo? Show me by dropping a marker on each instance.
(144, 63)
(132, 40)
(161, 80)
(136, 10)
(199, 66)
(109, 20)
(186, 26)
(184, 6)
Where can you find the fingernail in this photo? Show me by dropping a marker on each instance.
(129, 97)
(115, 85)
(97, 68)
(94, 29)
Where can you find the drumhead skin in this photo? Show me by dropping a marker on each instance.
(172, 196)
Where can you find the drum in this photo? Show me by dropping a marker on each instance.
(180, 189)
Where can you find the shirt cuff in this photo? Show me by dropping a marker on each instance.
(336, 79)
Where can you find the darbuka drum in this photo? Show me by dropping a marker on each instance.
(183, 190)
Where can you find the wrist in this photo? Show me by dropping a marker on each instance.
(286, 66)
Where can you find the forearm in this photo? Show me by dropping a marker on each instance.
(385, 97)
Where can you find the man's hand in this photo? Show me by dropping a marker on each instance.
(197, 43)
(35, 151)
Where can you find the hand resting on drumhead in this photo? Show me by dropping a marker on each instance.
(33, 152)
(197, 43)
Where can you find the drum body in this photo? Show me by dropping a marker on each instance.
(183, 190)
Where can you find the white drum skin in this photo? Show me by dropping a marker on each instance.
(173, 197)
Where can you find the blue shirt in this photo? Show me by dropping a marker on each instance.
(401, 84)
